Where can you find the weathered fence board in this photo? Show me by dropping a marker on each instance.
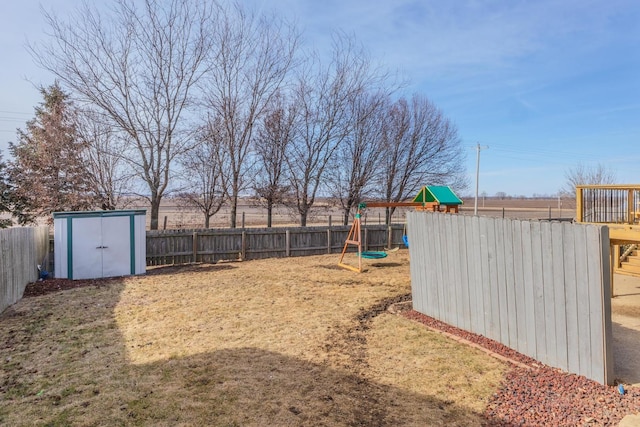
(540, 288)
(22, 249)
(212, 245)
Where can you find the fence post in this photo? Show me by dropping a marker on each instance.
(195, 246)
(366, 239)
(614, 251)
(329, 239)
(287, 242)
(243, 254)
(579, 208)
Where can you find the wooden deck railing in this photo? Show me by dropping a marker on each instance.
(608, 204)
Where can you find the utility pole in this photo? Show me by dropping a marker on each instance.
(478, 149)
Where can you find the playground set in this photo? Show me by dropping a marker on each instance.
(430, 198)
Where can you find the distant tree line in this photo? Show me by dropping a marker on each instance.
(580, 174)
(212, 102)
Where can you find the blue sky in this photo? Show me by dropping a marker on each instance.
(544, 84)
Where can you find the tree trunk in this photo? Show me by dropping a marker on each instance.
(346, 216)
(234, 211)
(269, 213)
(155, 210)
(390, 212)
(207, 219)
(303, 219)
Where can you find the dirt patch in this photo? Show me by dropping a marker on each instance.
(348, 343)
(189, 268)
(44, 287)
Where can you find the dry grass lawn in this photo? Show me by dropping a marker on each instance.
(279, 342)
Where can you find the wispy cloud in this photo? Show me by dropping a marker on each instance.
(440, 38)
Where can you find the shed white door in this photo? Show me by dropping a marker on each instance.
(101, 247)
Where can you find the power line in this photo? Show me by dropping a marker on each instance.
(536, 154)
(12, 119)
(15, 112)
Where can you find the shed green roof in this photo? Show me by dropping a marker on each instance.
(441, 194)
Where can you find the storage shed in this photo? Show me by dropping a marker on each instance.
(89, 245)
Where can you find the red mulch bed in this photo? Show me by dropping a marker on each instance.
(43, 287)
(539, 395)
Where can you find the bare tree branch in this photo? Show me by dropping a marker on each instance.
(421, 147)
(356, 167)
(323, 96)
(137, 67)
(105, 158)
(587, 175)
(254, 54)
(205, 172)
(275, 133)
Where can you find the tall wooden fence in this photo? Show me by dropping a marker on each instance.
(211, 245)
(21, 251)
(541, 288)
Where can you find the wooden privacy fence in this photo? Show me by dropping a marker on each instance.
(21, 251)
(211, 245)
(541, 288)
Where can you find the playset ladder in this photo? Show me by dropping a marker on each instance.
(353, 238)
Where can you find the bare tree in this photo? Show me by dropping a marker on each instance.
(104, 158)
(274, 136)
(137, 66)
(357, 163)
(204, 172)
(587, 175)
(421, 147)
(323, 95)
(254, 54)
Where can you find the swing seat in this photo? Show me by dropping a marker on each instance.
(373, 255)
(405, 240)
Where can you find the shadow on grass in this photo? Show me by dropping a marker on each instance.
(386, 264)
(330, 266)
(250, 386)
(65, 362)
(188, 268)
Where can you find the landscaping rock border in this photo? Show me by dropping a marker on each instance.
(534, 394)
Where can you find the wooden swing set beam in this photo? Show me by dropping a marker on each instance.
(393, 204)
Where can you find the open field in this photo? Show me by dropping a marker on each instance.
(181, 217)
(271, 342)
(324, 212)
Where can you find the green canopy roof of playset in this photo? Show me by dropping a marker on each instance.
(440, 194)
